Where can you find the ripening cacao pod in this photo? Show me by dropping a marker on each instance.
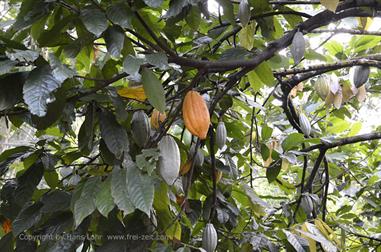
(221, 135)
(218, 175)
(198, 158)
(169, 159)
(196, 114)
(361, 75)
(157, 118)
(209, 238)
(305, 125)
(322, 87)
(298, 47)
(140, 128)
(186, 167)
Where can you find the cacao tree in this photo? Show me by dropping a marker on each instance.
(176, 125)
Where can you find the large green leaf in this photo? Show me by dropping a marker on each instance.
(27, 183)
(38, 89)
(84, 205)
(11, 89)
(120, 14)
(153, 89)
(103, 200)
(114, 37)
(140, 189)
(94, 20)
(114, 135)
(28, 216)
(119, 190)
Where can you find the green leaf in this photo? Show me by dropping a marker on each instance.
(23, 55)
(6, 66)
(140, 188)
(114, 37)
(38, 89)
(86, 132)
(175, 8)
(103, 201)
(266, 132)
(153, 89)
(27, 183)
(114, 135)
(84, 205)
(55, 201)
(255, 82)
(246, 36)
(159, 60)
(153, 3)
(131, 65)
(28, 216)
(292, 140)
(94, 20)
(120, 14)
(119, 190)
(273, 171)
(294, 241)
(60, 71)
(11, 89)
(265, 74)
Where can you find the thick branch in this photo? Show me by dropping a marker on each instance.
(348, 31)
(344, 141)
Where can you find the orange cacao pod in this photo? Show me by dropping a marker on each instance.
(196, 114)
(185, 167)
(157, 118)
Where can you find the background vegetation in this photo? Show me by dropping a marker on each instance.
(300, 169)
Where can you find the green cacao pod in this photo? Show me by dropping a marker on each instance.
(244, 12)
(307, 204)
(209, 238)
(169, 159)
(140, 128)
(361, 75)
(221, 135)
(322, 86)
(199, 157)
(298, 47)
(305, 125)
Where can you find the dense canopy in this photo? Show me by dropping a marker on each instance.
(178, 125)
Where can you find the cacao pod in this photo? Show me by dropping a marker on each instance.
(244, 12)
(209, 238)
(218, 175)
(196, 114)
(360, 75)
(140, 128)
(185, 167)
(198, 158)
(322, 86)
(305, 125)
(298, 47)
(221, 135)
(307, 204)
(157, 118)
(169, 159)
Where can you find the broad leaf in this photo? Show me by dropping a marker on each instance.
(28, 216)
(94, 20)
(140, 189)
(84, 205)
(114, 135)
(114, 38)
(103, 200)
(119, 190)
(38, 90)
(330, 4)
(153, 89)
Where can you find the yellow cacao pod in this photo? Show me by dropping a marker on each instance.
(157, 118)
(196, 114)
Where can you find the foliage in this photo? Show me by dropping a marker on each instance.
(300, 170)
